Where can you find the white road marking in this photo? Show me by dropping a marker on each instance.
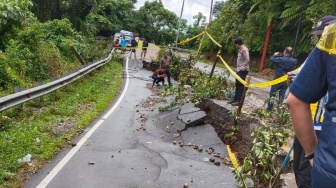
(62, 163)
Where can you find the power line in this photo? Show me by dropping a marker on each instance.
(179, 24)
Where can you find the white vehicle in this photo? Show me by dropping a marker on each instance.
(128, 36)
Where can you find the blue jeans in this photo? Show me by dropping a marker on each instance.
(281, 88)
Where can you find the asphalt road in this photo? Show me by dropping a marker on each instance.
(115, 152)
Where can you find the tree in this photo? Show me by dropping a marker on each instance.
(12, 14)
(249, 20)
(46, 10)
(154, 22)
(198, 27)
(229, 24)
(110, 16)
(199, 20)
(218, 8)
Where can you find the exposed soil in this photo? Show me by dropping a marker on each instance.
(218, 115)
(220, 118)
(64, 125)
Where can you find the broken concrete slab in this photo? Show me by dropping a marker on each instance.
(189, 108)
(193, 119)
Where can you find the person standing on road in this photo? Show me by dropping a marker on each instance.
(284, 63)
(302, 167)
(318, 75)
(165, 64)
(144, 49)
(134, 44)
(243, 61)
(140, 43)
(123, 44)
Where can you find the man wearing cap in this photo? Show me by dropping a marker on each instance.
(302, 167)
(318, 75)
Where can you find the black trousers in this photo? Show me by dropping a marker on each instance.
(240, 86)
(302, 167)
(168, 76)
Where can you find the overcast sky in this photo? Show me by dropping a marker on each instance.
(191, 7)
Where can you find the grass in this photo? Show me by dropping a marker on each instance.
(43, 127)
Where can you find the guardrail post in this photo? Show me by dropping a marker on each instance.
(17, 90)
(79, 57)
(40, 99)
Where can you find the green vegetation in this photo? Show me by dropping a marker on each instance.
(262, 163)
(30, 29)
(42, 127)
(249, 20)
(34, 47)
(194, 85)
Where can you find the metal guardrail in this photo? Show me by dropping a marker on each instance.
(29, 94)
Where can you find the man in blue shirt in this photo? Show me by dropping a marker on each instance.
(284, 63)
(316, 78)
(302, 167)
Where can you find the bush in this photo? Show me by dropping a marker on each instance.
(5, 77)
(41, 51)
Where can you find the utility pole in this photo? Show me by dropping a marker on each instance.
(199, 47)
(210, 16)
(179, 24)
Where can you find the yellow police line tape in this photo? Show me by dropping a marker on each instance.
(233, 158)
(255, 85)
(138, 47)
(188, 40)
(232, 72)
(213, 40)
(134, 47)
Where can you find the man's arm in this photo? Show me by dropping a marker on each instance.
(302, 123)
(246, 55)
(275, 59)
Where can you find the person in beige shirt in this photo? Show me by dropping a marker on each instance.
(243, 68)
(165, 64)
